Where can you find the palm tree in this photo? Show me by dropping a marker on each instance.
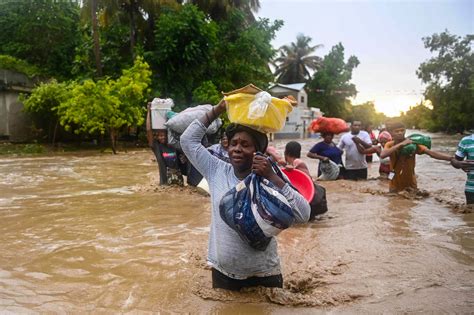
(296, 61)
(89, 13)
(139, 14)
(219, 9)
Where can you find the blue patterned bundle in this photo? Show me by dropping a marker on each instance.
(256, 210)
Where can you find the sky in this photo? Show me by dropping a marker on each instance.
(386, 36)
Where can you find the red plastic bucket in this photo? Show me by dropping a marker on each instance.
(302, 182)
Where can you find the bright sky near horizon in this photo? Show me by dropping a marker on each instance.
(386, 36)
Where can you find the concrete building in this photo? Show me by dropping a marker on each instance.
(299, 119)
(15, 124)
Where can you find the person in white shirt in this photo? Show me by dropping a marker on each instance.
(356, 165)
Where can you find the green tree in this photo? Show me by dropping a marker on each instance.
(206, 93)
(450, 79)
(184, 42)
(44, 33)
(138, 16)
(107, 105)
(330, 88)
(243, 52)
(418, 117)
(221, 9)
(115, 54)
(367, 114)
(43, 103)
(296, 61)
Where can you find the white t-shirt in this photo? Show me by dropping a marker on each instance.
(354, 159)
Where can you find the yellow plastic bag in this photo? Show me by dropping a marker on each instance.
(258, 111)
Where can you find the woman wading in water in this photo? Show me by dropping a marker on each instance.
(235, 264)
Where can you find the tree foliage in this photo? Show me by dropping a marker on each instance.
(94, 107)
(221, 9)
(43, 103)
(107, 105)
(450, 79)
(192, 57)
(295, 62)
(206, 93)
(242, 52)
(14, 64)
(367, 114)
(191, 50)
(418, 117)
(115, 53)
(184, 42)
(330, 88)
(43, 33)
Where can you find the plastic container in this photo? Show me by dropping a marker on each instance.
(158, 118)
(159, 109)
(258, 111)
(302, 182)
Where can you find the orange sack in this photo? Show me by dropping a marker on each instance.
(327, 124)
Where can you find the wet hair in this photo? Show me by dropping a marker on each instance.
(293, 149)
(260, 139)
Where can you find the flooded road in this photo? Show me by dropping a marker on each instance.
(93, 232)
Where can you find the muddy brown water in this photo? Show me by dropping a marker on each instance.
(94, 233)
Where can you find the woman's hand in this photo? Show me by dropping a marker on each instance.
(220, 107)
(261, 166)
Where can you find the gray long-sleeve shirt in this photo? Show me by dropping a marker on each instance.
(227, 252)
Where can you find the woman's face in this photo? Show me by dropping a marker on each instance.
(241, 151)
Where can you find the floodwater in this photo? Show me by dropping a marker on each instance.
(94, 233)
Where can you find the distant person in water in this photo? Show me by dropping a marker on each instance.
(383, 139)
(402, 167)
(384, 168)
(466, 151)
(292, 157)
(326, 150)
(171, 164)
(353, 142)
(220, 149)
(373, 138)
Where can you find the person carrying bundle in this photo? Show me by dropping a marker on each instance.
(326, 151)
(171, 163)
(236, 264)
(402, 158)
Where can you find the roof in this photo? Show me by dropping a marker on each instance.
(294, 86)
